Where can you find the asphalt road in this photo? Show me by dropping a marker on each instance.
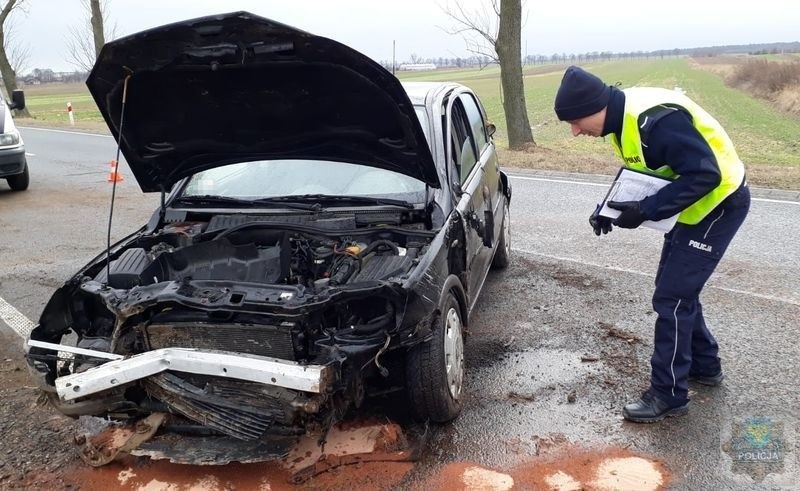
(558, 342)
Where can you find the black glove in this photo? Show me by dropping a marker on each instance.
(600, 223)
(631, 216)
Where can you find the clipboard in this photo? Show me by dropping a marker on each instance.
(633, 185)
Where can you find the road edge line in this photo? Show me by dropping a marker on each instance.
(15, 319)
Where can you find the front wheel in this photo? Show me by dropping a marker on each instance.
(19, 182)
(435, 369)
(502, 257)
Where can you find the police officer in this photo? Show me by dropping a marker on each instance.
(663, 132)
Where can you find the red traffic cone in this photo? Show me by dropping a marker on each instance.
(114, 175)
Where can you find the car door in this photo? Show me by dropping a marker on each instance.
(492, 184)
(467, 178)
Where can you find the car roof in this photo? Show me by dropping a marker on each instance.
(420, 92)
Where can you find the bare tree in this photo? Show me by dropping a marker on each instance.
(85, 41)
(497, 34)
(6, 68)
(19, 52)
(97, 22)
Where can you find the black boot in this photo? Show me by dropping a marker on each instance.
(710, 380)
(650, 409)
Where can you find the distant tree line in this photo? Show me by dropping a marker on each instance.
(46, 75)
(595, 56)
(773, 51)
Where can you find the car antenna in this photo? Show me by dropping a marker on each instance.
(114, 184)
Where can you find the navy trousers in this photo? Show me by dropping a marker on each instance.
(683, 344)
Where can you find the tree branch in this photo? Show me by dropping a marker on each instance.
(18, 53)
(80, 42)
(467, 22)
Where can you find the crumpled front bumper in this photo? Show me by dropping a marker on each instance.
(271, 371)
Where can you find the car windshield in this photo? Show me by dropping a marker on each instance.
(275, 178)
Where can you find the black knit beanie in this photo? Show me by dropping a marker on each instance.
(581, 94)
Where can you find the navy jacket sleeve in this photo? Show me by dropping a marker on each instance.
(671, 139)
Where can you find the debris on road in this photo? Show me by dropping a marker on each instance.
(614, 332)
(345, 446)
(514, 396)
(102, 442)
(116, 440)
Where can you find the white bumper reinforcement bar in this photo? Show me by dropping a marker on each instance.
(253, 368)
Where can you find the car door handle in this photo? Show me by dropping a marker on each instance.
(488, 228)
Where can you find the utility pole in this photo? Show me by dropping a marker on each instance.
(393, 50)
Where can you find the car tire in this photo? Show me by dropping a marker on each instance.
(435, 369)
(19, 182)
(502, 257)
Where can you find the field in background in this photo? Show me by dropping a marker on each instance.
(47, 104)
(763, 134)
(766, 138)
(775, 79)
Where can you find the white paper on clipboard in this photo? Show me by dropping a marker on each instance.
(635, 186)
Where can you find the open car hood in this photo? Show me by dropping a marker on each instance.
(217, 90)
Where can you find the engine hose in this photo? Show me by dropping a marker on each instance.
(375, 359)
(373, 325)
(377, 243)
(383, 371)
(359, 340)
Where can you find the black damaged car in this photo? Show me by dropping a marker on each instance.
(323, 235)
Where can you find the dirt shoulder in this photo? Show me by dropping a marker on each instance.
(33, 436)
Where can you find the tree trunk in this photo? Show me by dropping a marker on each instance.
(97, 27)
(508, 52)
(9, 76)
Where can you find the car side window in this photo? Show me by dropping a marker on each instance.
(463, 147)
(476, 121)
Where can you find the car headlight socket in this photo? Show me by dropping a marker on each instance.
(8, 139)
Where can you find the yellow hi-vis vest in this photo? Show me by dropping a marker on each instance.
(640, 99)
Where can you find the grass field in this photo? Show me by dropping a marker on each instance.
(47, 103)
(766, 138)
(762, 134)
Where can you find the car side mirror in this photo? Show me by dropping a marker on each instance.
(17, 99)
(490, 129)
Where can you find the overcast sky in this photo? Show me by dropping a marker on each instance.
(370, 26)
